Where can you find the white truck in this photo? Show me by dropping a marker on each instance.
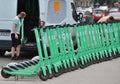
(52, 12)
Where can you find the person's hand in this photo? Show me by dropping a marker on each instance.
(16, 36)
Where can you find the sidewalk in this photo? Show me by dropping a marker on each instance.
(102, 73)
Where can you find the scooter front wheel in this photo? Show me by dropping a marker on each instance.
(42, 77)
(4, 75)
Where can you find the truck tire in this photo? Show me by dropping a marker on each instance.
(2, 52)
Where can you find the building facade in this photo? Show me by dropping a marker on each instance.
(83, 3)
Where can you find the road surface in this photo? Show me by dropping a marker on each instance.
(103, 73)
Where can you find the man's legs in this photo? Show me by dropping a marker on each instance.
(13, 56)
(18, 50)
(12, 51)
(18, 57)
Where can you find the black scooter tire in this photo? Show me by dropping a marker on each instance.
(42, 77)
(4, 75)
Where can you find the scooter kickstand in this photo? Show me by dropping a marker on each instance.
(22, 77)
(16, 78)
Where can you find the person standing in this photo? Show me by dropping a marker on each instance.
(106, 19)
(15, 36)
(109, 19)
(42, 24)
